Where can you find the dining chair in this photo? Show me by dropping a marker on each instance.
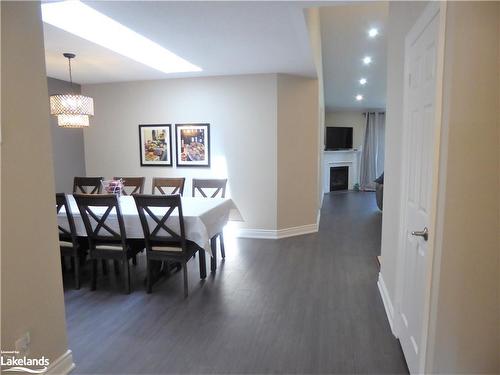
(164, 234)
(69, 243)
(216, 185)
(135, 184)
(176, 184)
(211, 188)
(93, 184)
(106, 234)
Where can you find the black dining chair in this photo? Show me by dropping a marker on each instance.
(87, 185)
(69, 243)
(211, 188)
(105, 240)
(164, 234)
(168, 185)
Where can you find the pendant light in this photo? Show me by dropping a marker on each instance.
(72, 110)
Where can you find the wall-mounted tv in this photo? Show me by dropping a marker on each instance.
(338, 138)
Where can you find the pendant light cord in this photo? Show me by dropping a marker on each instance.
(70, 75)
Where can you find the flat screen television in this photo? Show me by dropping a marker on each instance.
(338, 138)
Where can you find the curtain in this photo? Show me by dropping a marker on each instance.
(372, 155)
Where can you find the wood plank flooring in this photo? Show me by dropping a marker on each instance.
(302, 305)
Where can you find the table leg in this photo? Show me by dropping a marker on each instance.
(203, 264)
(213, 259)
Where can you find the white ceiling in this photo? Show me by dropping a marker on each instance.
(223, 38)
(228, 38)
(344, 43)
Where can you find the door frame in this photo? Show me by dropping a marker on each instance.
(434, 255)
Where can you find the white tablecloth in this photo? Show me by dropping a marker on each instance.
(203, 218)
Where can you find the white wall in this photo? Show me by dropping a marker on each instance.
(241, 110)
(465, 319)
(32, 292)
(298, 146)
(68, 149)
(402, 16)
(354, 119)
(312, 16)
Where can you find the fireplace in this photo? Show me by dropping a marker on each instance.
(339, 178)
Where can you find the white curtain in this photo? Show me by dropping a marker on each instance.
(372, 156)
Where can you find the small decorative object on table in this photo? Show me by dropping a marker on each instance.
(113, 186)
(356, 187)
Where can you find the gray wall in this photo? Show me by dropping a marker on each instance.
(67, 143)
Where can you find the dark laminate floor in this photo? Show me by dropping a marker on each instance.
(305, 304)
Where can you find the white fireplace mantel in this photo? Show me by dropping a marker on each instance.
(341, 158)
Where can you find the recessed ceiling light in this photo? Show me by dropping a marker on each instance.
(79, 19)
(362, 81)
(373, 32)
(367, 60)
(359, 97)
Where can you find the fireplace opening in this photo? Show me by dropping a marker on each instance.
(339, 178)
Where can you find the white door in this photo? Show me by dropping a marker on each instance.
(419, 129)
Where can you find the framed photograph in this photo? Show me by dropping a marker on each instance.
(192, 145)
(155, 143)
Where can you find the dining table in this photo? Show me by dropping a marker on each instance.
(204, 218)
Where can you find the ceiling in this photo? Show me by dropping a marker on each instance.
(223, 38)
(231, 38)
(344, 43)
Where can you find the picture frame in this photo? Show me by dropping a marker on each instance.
(155, 145)
(192, 145)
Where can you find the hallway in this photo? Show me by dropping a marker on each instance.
(307, 304)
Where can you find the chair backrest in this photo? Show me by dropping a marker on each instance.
(219, 186)
(100, 214)
(68, 233)
(80, 185)
(136, 184)
(176, 184)
(157, 227)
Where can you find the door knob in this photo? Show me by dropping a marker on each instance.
(422, 233)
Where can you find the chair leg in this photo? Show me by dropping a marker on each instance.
(93, 274)
(126, 272)
(83, 258)
(222, 250)
(77, 272)
(203, 264)
(63, 263)
(213, 259)
(116, 266)
(149, 277)
(72, 263)
(134, 260)
(104, 263)
(184, 270)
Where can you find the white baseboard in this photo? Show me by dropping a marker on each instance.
(277, 234)
(62, 365)
(389, 308)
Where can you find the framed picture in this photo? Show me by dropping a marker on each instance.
(155, 143)
(192, 145)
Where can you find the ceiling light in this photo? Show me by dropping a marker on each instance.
(362, 81)
(373, 32)
(72, 110)
(359, 97)
(367, 60)
(79, 19)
